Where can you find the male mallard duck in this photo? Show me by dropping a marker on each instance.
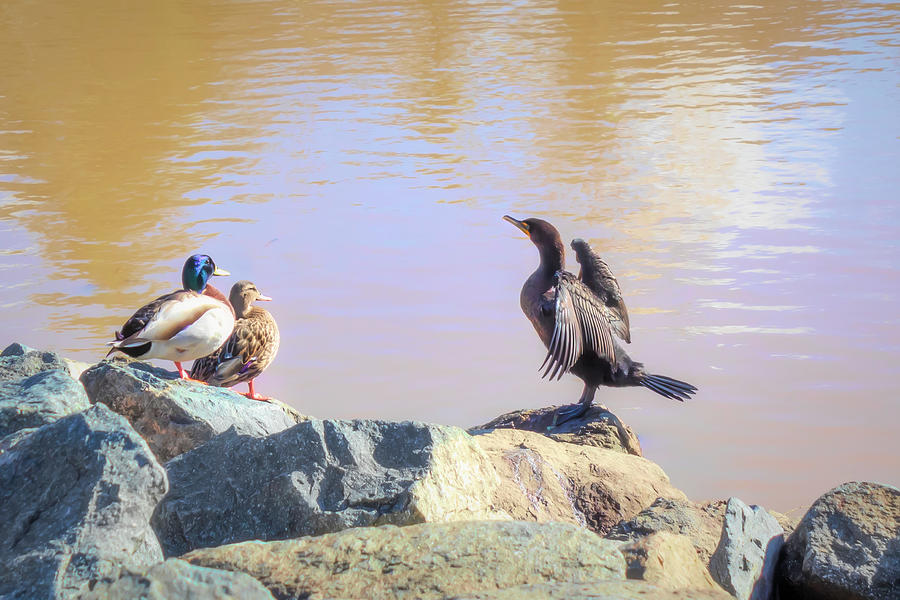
(250, 349)
(576, 318)
(183, 325)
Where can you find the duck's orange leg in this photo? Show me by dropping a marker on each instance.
(253, 395)
(184, 374)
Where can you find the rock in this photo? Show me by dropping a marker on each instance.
(173, 415)
(18, 361)
(75, 500)
(611, 589)
(431, 560)
(597, 427)
(744, 560)
(700, 521)
(76, 367)
(323, 476)
(787, 522)
(546, 480)
(39, 399)
(846, 546)
(8, 443)
(178, 579)
(668, 561)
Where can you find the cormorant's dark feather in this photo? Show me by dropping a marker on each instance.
(598, 277)
(582, 324)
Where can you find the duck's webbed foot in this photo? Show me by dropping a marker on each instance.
(574, 411)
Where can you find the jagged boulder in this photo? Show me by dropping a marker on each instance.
(173, 415)
(39, 399)
(75, 502)
(700, 521)
(597, 427)
(546, 480)
(322, 476)
(847, 546)
(18, 361)
(175, 578)
(744, 560)
(668, 561)
(425, 561)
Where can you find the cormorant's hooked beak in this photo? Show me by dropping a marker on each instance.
(219, 271)
(521, 225)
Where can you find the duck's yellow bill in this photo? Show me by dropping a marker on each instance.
(219, 271)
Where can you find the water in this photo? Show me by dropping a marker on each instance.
(736, 164)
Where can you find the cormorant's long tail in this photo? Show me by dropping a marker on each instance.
(668, 387)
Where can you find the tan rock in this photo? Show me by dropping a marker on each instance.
(597, 427)
(429, 560)
(668, 561)
(546, 480)
(596, 590)
(175, 578)
(700, 521)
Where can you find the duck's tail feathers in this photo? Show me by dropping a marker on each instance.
(133, 347)
(668, 387)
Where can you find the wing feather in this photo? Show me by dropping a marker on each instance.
(583, 324)
(163, 318)
(598, 277)
(250, 349)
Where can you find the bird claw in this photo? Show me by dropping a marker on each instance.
(567, 413)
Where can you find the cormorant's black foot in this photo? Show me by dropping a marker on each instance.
(567, 413)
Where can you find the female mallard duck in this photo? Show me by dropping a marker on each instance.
(183, 325)
(576, 318)
(250, 349)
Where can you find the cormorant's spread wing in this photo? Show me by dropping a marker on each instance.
(597, 276)
(582, 325)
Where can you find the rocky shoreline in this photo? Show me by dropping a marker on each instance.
(118, 480)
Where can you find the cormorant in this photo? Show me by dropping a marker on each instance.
(576, 318)
(250, 349)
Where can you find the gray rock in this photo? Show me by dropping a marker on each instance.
(178, 579)
(173, 415)
(319, 477)
(700, 521)
(847, 546)
(38, 400)
(597, 427)
(422, 562)
(75, 502)
(18, 361)
(8, 443)
(744, 561)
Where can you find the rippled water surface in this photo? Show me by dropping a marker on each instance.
(736, 164)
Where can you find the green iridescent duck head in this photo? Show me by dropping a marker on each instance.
(197, 271)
